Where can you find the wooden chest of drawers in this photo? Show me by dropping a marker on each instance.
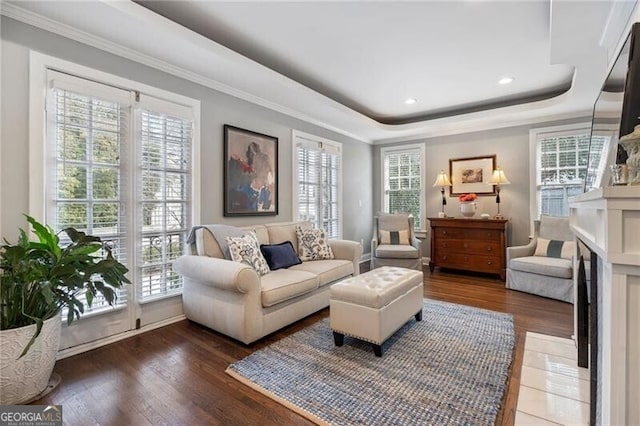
(469, 244)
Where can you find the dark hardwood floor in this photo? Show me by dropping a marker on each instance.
(175, 375)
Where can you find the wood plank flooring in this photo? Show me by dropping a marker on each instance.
(175, 375)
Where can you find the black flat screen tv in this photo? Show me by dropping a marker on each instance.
(616, 112)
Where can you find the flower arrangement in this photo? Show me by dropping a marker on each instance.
(467, 197)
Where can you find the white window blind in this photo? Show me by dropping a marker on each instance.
(402, 182)
(318, 191)
(88, 163)
(561, 169)
(164, 194)
(122, 167)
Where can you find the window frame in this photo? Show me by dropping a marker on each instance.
(39, 150)
(535, 135)
(298, 137)
(398, 149)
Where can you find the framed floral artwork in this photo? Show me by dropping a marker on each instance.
(250, 173)
(471, 175)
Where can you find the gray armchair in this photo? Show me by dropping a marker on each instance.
(540, 267)
(394, 243)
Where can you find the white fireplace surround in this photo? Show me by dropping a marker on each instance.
(607, 220)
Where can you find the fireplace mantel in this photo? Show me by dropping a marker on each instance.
(607, 220)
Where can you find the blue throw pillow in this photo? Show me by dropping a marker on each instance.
(280, 256)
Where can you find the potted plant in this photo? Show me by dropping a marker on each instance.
(467, 204)
(38, 280)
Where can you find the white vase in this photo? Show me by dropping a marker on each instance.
(468, 208)
(21, 379)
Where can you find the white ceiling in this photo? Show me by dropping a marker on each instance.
(349, 66)
(372, 56)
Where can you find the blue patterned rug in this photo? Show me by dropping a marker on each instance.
(449, 369)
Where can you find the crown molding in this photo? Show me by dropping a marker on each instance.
(28, 17)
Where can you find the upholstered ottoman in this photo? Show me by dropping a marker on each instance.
(374, 305)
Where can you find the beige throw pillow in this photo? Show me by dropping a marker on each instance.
(555, 248)
(313, 245)
(394, 237)
(246, 249)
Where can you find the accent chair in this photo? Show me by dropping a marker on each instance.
(545, 265)
(394, 242)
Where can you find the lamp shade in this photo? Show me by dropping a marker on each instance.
(442, 179)
(498, 178)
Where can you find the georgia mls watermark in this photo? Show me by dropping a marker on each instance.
(31, 415)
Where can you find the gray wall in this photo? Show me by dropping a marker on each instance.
(216, 109)
(511, 147)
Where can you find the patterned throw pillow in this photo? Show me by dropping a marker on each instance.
(246, 249)
(312, 244)
(554, 248)
(394, 237)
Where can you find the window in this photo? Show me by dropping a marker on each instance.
(163, 212)
(402, 181)
(89, 138)
(318, 182)
(122, 166)
(561, 167)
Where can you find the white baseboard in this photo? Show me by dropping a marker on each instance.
(366, 257)
(426, 260)
(75, 350)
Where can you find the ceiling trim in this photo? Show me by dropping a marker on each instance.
(473, 128)
(317, 109)
(34, 19)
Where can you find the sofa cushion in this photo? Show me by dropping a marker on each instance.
(549, 266)
(394, 237)
(555, 248)
(206, 244)
(397, 251)
(246, 250)
(312, 244)
(327, 271)
(284, 284)
(280, 256)
(281, 232)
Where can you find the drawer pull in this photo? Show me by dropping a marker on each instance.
(489, 248)
(466, 245)
(489, 262)
(444, 232)
(444, 257)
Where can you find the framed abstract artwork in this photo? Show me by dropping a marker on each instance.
(250, 173)
(471, 175)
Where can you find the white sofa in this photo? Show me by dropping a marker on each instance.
(231, 298)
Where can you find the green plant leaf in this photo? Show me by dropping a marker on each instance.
(39, 278)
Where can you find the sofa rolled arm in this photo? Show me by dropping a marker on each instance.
(347, 250)
(220, 273)
(521, 251)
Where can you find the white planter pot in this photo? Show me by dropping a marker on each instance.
(23, 379)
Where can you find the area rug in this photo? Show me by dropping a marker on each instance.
(451, 368)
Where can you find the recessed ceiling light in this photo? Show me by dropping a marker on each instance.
(505, 80)
(410, 101)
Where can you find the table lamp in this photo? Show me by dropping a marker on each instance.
(442, 180)
(498, 178)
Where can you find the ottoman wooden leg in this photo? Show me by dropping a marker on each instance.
(377, 349)
(338, 338)
(419, 315)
